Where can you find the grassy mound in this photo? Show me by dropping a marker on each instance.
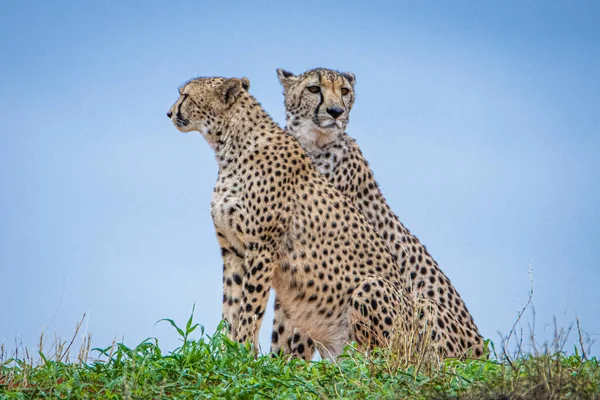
(215, 367)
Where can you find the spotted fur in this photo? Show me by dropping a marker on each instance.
(282, 225)
(339, 159)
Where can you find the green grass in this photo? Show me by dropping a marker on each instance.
(215, 367)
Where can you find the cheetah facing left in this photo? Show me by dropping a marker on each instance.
(280, 224)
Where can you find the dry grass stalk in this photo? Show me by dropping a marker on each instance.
(416, 346)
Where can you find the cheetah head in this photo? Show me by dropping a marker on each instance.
(318, 104)
(204, 104)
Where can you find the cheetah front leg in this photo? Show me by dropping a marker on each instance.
(287, 340)
(256, 285)
(233, 273)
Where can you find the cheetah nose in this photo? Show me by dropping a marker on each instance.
(335, 112)
(169, 114)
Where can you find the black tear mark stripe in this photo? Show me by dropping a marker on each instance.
(316, 116)
(185, 96)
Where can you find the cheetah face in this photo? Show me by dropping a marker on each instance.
(204, 104)
(318, 103)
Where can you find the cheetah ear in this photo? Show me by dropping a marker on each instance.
(350, 76)
(245, 83)
(230, 90)
(286, 78)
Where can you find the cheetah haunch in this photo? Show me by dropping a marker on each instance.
(280, 224)
(318, 103)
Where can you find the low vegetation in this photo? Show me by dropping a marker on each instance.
(215, 367)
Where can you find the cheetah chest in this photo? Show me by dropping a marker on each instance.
(328, 159)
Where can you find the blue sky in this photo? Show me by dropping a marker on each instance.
(481, 121)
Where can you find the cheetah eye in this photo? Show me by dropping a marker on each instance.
(345, 91)
(313, 89)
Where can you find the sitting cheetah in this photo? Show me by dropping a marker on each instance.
(318, 103)
(281, 224)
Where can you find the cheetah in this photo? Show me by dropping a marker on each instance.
(318, 103)
(280, 224)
